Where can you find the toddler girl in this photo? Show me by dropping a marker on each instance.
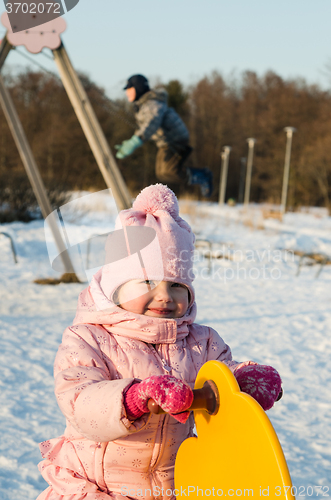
(134, 338)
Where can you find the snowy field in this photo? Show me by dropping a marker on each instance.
(253, 298)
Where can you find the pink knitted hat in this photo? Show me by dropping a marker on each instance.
(150, 242)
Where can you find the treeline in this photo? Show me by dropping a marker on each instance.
(228, 112)
(217, 111)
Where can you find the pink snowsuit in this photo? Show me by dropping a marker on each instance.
(102, 454)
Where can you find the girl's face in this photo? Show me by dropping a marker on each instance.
(165, 300)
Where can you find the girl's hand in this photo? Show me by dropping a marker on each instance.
(261, 382)
(173, 395)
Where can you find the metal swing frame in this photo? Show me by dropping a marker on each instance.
(92, 131)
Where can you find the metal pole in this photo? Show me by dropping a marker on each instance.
(289, 134)
(92, 130)
(5, 48)
(225, 164)
(251, 143)
(32, 171)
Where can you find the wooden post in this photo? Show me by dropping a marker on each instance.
(251, 143)
(225, 164)
(33, 172)
(289, 134)
(92, 129)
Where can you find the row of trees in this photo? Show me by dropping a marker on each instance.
(218, 111)
(261, 108)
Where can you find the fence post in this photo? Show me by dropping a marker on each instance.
(289, 134)
(224, 174)
(251, 141)
(243, 163)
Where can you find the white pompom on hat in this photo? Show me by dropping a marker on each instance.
(167, 256)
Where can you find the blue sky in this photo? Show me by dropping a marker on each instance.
(111, 40)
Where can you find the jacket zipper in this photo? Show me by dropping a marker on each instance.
(165, 365)
(160, 445)
(167, 368)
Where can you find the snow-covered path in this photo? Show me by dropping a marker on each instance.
(256, 302)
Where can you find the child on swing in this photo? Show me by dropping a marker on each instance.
(134, 339)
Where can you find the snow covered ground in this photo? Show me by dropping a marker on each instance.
(253, 298)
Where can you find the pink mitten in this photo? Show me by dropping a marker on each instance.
(261, 382)
(170, 393)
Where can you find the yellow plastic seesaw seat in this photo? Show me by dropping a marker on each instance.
(236, 453)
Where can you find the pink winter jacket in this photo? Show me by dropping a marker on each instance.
(102, 454)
